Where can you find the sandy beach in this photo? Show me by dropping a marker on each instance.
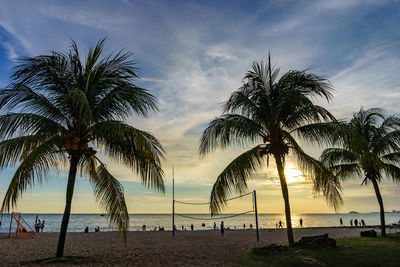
(187, 248)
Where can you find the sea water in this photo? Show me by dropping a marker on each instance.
(78, 222)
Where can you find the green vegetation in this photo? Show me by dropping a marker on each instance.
(360, 251)
(58, 109)
(271, 112)
(368, 147)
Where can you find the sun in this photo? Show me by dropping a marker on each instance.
(293, 174)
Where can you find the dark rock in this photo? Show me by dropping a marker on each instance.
(318, 242)
(370, 233)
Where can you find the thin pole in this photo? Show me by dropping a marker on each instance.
(173, 201)
(11, 218)
(255, 211)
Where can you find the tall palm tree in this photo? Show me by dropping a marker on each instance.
(59, 110)
(274, 112)
(368, 148)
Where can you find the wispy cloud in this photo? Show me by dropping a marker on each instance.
(191, 56)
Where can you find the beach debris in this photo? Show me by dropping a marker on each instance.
(369, 233)
(318, 242)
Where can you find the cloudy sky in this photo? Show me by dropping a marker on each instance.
(192, 55)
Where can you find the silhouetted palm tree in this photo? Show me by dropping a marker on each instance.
(368, 148)
(59, 109)
(273, 113)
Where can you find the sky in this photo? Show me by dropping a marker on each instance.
(192, 55)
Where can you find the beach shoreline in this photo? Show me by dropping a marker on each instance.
(157, 248)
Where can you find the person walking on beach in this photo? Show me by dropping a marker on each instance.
(301, 222)
(341, 222)
(351, 222)
(42, 226)
(191, 227)
(222, 229)
(244, 226)
(38, 226)
(280, 224)
(215, 226)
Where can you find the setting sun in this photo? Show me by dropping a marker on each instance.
(293, 174)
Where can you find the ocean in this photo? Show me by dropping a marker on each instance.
(78, 222)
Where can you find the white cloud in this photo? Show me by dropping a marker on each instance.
(193, 56)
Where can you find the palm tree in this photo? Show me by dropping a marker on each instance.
(368, 148)
(59, 110)
(273, 113)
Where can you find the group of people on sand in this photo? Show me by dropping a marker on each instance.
(279, 224)
(96, 229)
(39, 225)
(354, 222)
(160, 228)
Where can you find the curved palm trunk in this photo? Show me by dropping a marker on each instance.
(382, 210)
(285, 194)
(70, 191)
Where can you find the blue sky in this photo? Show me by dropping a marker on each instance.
(192, 55)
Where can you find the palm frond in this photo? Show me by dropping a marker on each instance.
(21, 96)
(110, 195)
(229, 129)
(392, 171)
(345, 171)
(323, 179)
(308, 84)
(234, 177)
(393, 158)
(15, 124)
(15, 150)
(322, 133)
(33, 167)
(124, 98)
(333, 156)
(306, 115)
(138, 149)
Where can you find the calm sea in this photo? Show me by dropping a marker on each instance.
(79, 221)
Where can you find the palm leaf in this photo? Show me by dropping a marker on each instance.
(138, 149)
(234, 177)
(227, 130)
(34, 166)
(110, 194)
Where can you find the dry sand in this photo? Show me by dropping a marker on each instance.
(187, 248)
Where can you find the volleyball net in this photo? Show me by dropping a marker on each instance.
(215, 217)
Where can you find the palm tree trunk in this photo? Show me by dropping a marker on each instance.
(285, 194)
(70, 191)
(382, 210)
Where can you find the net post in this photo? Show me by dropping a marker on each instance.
(173, 202)
(11, 218)
(256, 214)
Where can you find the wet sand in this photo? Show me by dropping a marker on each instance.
(187, 248)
